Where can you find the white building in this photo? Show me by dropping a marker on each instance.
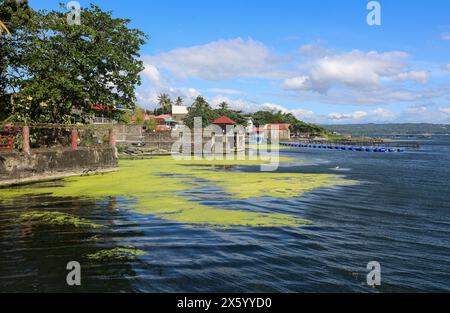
(179, 112)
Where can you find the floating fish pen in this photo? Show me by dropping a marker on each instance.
(342, 148)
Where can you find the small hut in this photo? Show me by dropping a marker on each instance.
(223, 122)
(234, 142)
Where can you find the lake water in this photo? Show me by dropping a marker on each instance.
(398, 214)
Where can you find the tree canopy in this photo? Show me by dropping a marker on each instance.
(237, 116)
(165, 104)
(261, 118)
(200, 108)
(51, 67)
(179, 101)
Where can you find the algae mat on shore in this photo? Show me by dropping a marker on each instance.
(162, 186)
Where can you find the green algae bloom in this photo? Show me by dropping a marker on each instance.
(118, 254)
(162, 187)
(277, 185)
(94, 238)
(56, 219)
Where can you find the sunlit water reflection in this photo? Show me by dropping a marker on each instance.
(398, 214)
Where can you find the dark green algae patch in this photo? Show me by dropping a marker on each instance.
(116, 254)
(59, 219)
(56, 219)
(159, 186)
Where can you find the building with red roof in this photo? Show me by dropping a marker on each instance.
(224, 120)
(163, 128)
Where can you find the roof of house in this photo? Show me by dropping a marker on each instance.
(162, 128)
(277, 126)
(164, 116)
(101, 107)
(148, 117)
(224, 120)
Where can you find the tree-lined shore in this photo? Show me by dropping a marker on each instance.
(52, 71)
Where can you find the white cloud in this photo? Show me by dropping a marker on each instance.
(235, 104)
(273, 107)
(445, 110)
(383, 95)
(152, 73)
(359, 78)
(347, 116)
(355, 69)
(313, 74)
(425, 114)
(301, 114)
(445, 36)
(417, 109)
(420, 77)
(249, 106)
(315, 51)
(296, 83)
(304, 115)
(219, 60)
(379, 114)
(225, 91)
(148, 97)
(413, 114)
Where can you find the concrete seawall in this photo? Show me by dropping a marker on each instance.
(18, 168)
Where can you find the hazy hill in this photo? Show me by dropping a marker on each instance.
(390, 129)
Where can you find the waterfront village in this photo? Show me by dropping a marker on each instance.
(60, 113)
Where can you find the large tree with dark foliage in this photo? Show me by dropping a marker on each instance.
(53, 67)
(13, 15)
(261, 118)
(237, 116)
(200, 108)
(165, 104)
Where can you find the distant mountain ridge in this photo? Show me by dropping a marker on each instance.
(390, 129)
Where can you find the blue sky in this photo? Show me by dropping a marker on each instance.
(317, 59)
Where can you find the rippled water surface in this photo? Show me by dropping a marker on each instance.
(397, 214)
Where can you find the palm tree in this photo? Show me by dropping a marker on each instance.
(224, 106)
(179, 101)
(3, 29)
(165, 103)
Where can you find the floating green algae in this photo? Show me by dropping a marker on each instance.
(118, 254)
(94, 238)
(56, 219)
(279, 185)
(160, 186)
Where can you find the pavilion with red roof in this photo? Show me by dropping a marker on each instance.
(223, 122)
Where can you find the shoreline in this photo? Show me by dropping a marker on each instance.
(54, 176)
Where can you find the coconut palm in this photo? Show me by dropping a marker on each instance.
(179, 101)
(165, 103)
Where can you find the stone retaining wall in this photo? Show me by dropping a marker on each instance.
(16, 167)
